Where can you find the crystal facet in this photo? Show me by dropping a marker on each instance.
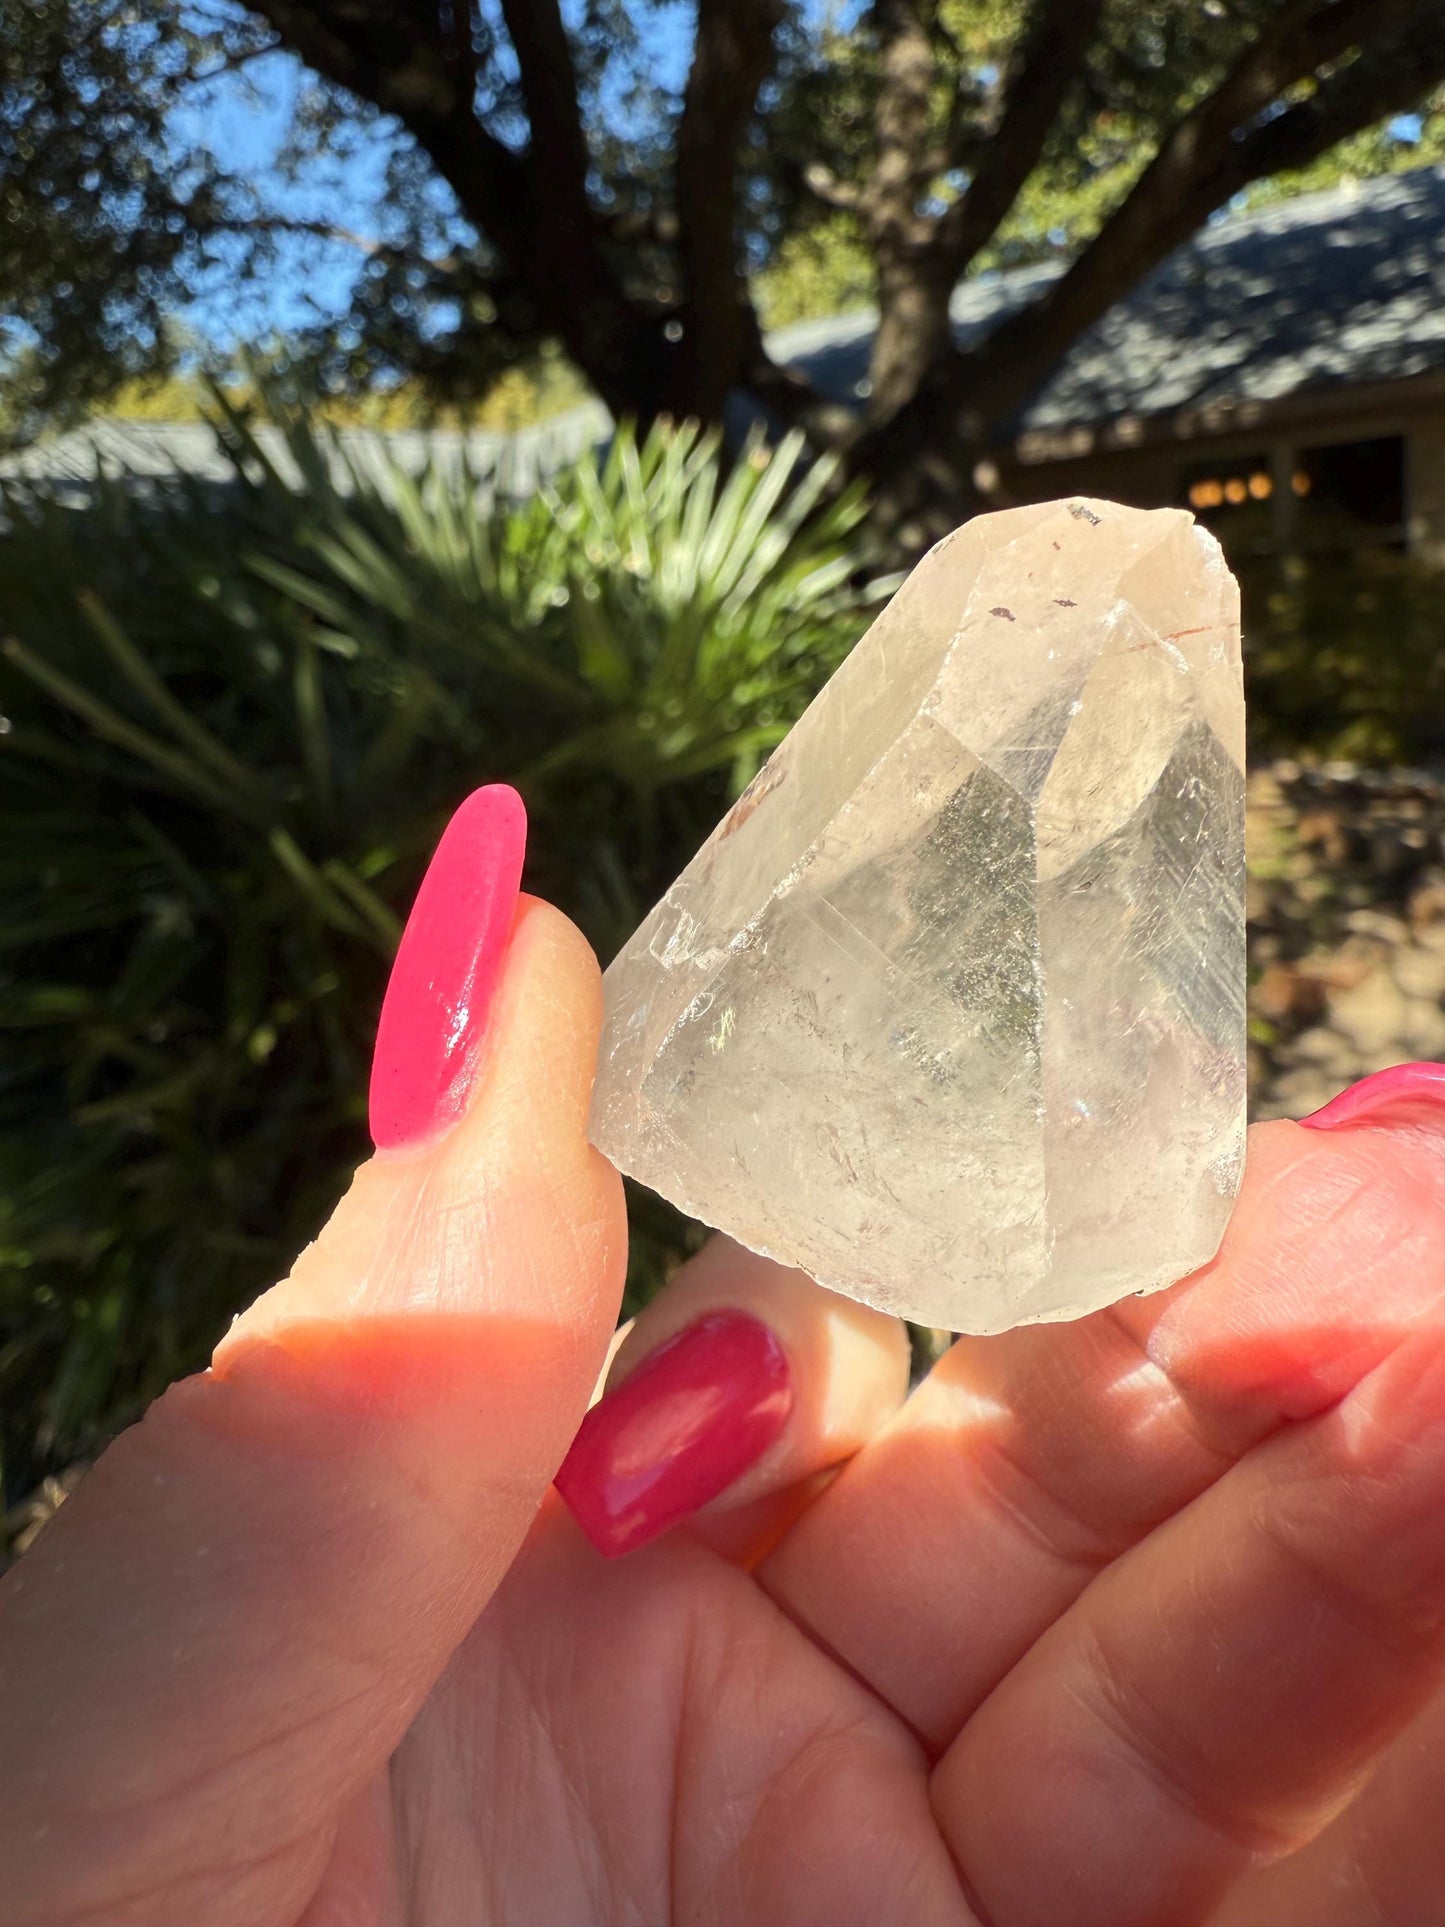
(949, 1009)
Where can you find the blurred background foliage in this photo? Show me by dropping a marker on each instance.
(229, 742)
(1345, 655)
(536, 389)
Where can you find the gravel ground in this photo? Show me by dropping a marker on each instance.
(1346, 928)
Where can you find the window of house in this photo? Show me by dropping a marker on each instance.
(1232, 496)
(1327, 495)
(1354, 490)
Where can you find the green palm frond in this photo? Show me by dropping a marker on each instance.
(231, 727)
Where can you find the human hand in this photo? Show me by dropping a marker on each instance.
(1135, 1621)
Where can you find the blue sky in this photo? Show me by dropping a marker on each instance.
(244, 119)
(244, 122)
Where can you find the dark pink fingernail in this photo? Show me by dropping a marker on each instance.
(1405, 1094)
(689, 1421)
(434, 1014)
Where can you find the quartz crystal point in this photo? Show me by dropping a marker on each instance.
(949, 1009)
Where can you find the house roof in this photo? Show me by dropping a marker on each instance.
(1341, 287)
(150, 450)
(1345, 287)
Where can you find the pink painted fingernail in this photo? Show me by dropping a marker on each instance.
(1405, 1094)
(689, 1421)
(434, 1014)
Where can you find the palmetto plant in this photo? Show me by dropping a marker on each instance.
(233, 725)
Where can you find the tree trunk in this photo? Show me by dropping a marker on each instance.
(732, 53)
(913, 331)
(921, 477)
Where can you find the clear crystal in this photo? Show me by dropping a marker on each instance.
(949, 1009)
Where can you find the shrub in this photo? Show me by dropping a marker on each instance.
(232, 731)
(1345, 656)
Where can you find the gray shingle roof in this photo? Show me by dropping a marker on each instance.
(1342, 286)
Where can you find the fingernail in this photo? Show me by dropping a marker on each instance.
(434, 1014)
(1406, 1094)
(689, 1421)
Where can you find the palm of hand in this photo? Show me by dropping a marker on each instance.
(654, 1741)
(1074, 1640)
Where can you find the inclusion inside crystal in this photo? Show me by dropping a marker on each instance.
(949, 1009)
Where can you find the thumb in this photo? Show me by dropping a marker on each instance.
(226, 1631)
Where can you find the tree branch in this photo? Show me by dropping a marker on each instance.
(460, 53)
(558, 149)
(559, 254)
(822, 182)
(1358, 60)
(394, 56)
(913, 277)
(973, 117)
(1389, 77)
(390, 55)
(327, 231)
(1045, 64)
(1218, 148)
(234, 63)
(732, 55)
(791, 398)
(900, 127)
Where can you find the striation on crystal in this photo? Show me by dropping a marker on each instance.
(949, 1009)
